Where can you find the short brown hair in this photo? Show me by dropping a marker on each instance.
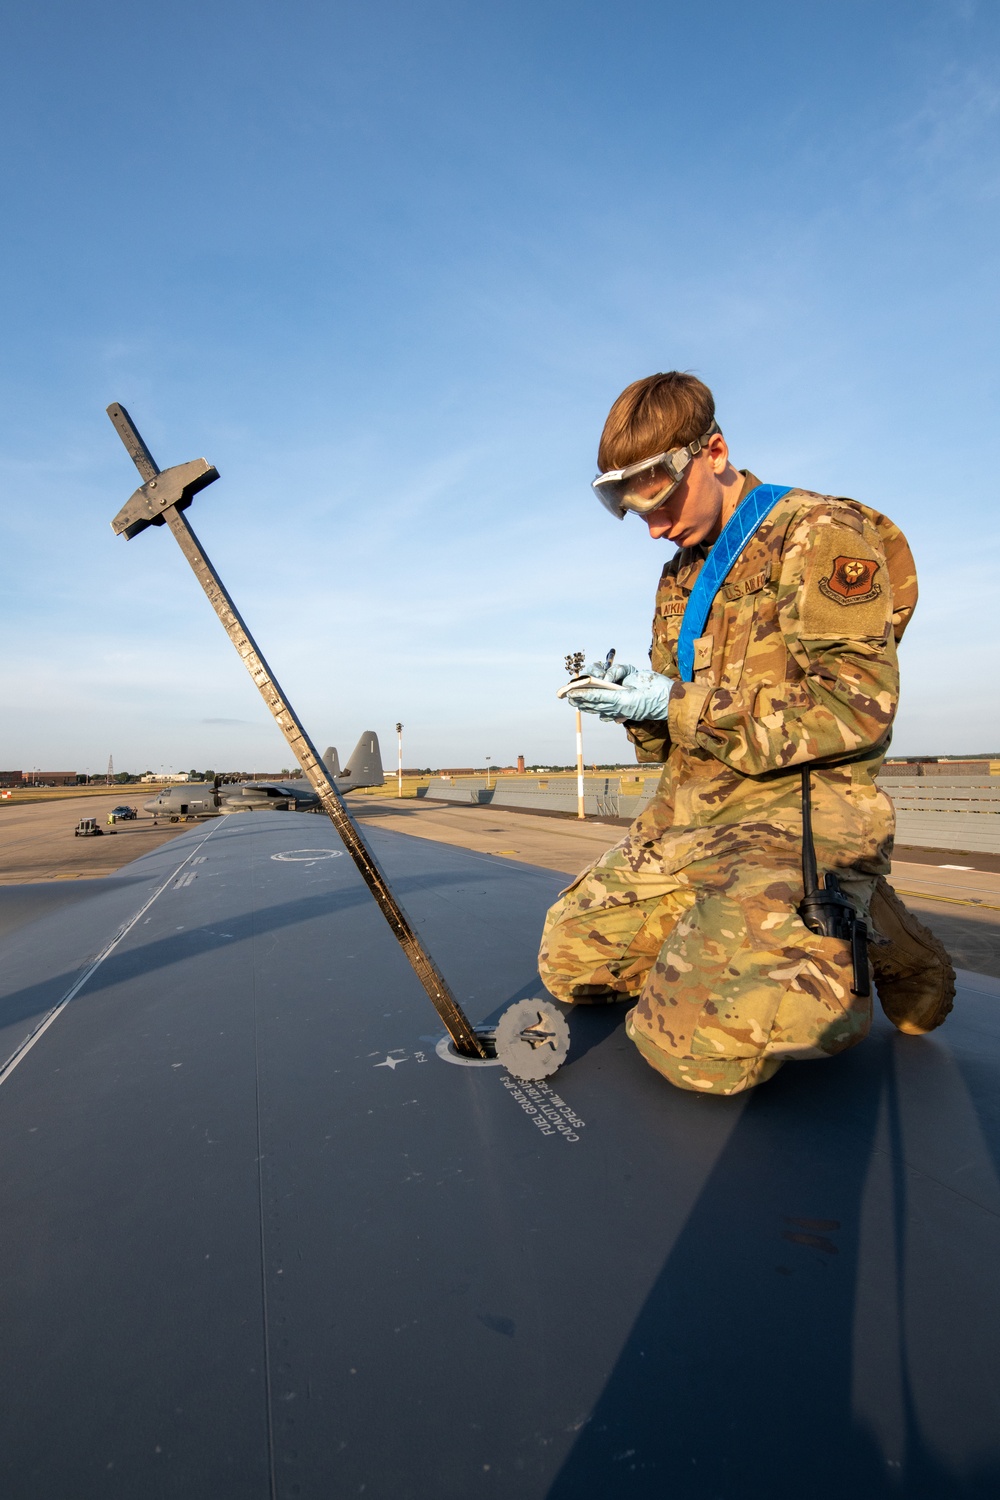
(662, 411)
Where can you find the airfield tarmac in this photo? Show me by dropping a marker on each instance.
(37, 841)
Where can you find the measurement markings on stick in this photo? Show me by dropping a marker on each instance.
(162, 500)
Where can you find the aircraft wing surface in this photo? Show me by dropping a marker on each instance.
(261, 1240)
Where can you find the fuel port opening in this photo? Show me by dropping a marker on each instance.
(447, 1052)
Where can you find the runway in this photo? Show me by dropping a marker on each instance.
(260, 1240)
(37, 841)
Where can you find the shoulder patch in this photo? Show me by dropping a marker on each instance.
(852, 581)
(844, 592)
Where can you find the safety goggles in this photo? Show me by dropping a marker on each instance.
(644, 486)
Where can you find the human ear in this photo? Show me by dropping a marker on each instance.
(717, 453)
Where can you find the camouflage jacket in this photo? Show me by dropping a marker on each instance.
(797, 666)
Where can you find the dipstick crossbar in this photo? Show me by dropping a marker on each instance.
(319, 777)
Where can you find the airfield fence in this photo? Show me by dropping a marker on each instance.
(939, 814)
(961, 813)
(603, 796)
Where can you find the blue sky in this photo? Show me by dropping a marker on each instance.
(387, 267)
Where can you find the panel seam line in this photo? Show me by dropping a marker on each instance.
(51, 1016)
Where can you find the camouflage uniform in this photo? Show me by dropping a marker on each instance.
(693, 915)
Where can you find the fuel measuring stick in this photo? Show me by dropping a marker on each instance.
(162, 499)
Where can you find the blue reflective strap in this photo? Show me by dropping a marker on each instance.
(741, 526)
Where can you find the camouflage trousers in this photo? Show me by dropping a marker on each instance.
(726, 980)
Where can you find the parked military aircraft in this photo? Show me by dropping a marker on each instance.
(206, 799)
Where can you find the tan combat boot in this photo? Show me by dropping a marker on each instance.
(597, 994)
(914, 976)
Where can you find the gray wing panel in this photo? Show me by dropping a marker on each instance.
(254, 1226)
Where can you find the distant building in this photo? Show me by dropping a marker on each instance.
(49, 778)
(11, 778)
(926, 765)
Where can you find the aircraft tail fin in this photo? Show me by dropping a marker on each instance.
(332, 760)
(365, 765)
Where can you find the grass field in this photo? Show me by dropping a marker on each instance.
(411, 784)
(135, 793)
(19, 796)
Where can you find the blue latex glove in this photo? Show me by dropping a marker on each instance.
(642, 695)
(617, 672)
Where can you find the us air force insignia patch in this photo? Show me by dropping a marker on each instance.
(851, 581)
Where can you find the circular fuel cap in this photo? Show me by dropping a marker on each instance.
(532, 1039)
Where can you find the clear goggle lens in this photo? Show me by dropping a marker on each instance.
(645, 486)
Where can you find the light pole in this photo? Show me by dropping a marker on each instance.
(399, 737)
(488, 759)
(574, 666)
